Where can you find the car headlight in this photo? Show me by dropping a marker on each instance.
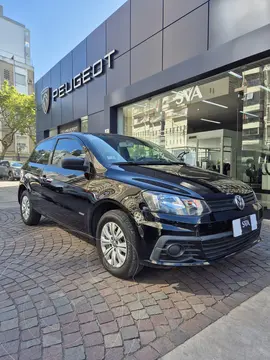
(173, 204)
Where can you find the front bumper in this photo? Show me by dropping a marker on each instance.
(202, 241)
(202, 250)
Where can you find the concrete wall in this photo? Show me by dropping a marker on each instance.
(151, 37)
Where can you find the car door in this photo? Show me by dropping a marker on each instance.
(64, 189)
(33, 170)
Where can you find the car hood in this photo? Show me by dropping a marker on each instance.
(183, 178)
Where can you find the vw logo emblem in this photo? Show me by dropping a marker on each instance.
(239, 202)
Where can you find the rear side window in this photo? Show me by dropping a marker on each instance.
(67, 148)
(42, 152)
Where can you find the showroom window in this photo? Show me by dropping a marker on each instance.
(222, 123)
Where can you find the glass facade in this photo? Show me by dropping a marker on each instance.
(220, 123)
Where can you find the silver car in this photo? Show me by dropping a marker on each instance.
(13, 169)
(3, 170)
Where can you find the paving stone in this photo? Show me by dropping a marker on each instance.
(112, 340)
(93, 339)
(125, 321)
(129, 332)
(99, 308)
(105, 317)
(9, 335)
(84, 318)
(136, 305)
(147, 353)
(163, 345)
(33, 353)
(158, 320)
(30, 343)
(49, 329)
(89, 328)
(9, 324)
(53, 353)
(149, 302)
(177, 337)
(139, 314)
(52, 339)
(62, 310)
(212, 314)
(131, 346)
(187, 314)
(95, 352)
(144, 325)
(153, 310)
(114, 354)
(9, 348)
(198, 308)
(120, 311)
(49, 321)
(7, 315)
(147, 337)
(73, 339)
(74, 353)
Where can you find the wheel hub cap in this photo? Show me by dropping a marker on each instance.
(113, 244)
(25, 207)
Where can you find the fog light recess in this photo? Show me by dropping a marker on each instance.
(175, 250)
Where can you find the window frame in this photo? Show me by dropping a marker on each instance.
(64, 138)
(50, 157)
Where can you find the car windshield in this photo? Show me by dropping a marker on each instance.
(116, 149)
(16, 164)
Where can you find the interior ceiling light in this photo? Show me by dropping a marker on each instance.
(264, 88)
(211, 121)
(235, 74)
(249, 114)
(212, 103)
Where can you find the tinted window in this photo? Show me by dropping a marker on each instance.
(113, 148)
(67, 148)
(4, 163)
(42, 152)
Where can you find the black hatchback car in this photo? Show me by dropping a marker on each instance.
(138, 202)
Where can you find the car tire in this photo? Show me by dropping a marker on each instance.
(10, 176)
(29, 215)
(121, 258)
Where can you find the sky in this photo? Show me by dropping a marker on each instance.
(57, 26)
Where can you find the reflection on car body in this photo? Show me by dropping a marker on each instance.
(141, 204)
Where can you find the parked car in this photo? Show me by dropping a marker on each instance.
(13, 169)
(140, 204)
(3, 171)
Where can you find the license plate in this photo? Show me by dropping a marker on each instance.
(244, 225)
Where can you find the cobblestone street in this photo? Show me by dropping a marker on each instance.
(57, 301)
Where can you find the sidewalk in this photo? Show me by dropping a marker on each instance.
(244, 334)
(8, 194)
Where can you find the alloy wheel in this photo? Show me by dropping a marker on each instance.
(113, 244)
(25, 206)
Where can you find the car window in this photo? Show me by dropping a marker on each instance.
(42, 152)
(67, 148)
(5, 163)
(113, 148)
(17, 164)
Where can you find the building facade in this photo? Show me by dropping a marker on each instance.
(16, 68)
(188, 75)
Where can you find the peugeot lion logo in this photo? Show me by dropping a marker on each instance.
(239, 202)
(46, 96)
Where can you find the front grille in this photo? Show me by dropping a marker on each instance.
(215, 249)
(227, 203)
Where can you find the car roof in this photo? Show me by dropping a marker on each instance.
(81, 135)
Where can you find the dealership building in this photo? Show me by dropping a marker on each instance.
(183, 74)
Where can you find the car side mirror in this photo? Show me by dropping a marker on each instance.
(75, 163)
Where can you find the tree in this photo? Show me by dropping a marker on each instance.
(17, 114)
